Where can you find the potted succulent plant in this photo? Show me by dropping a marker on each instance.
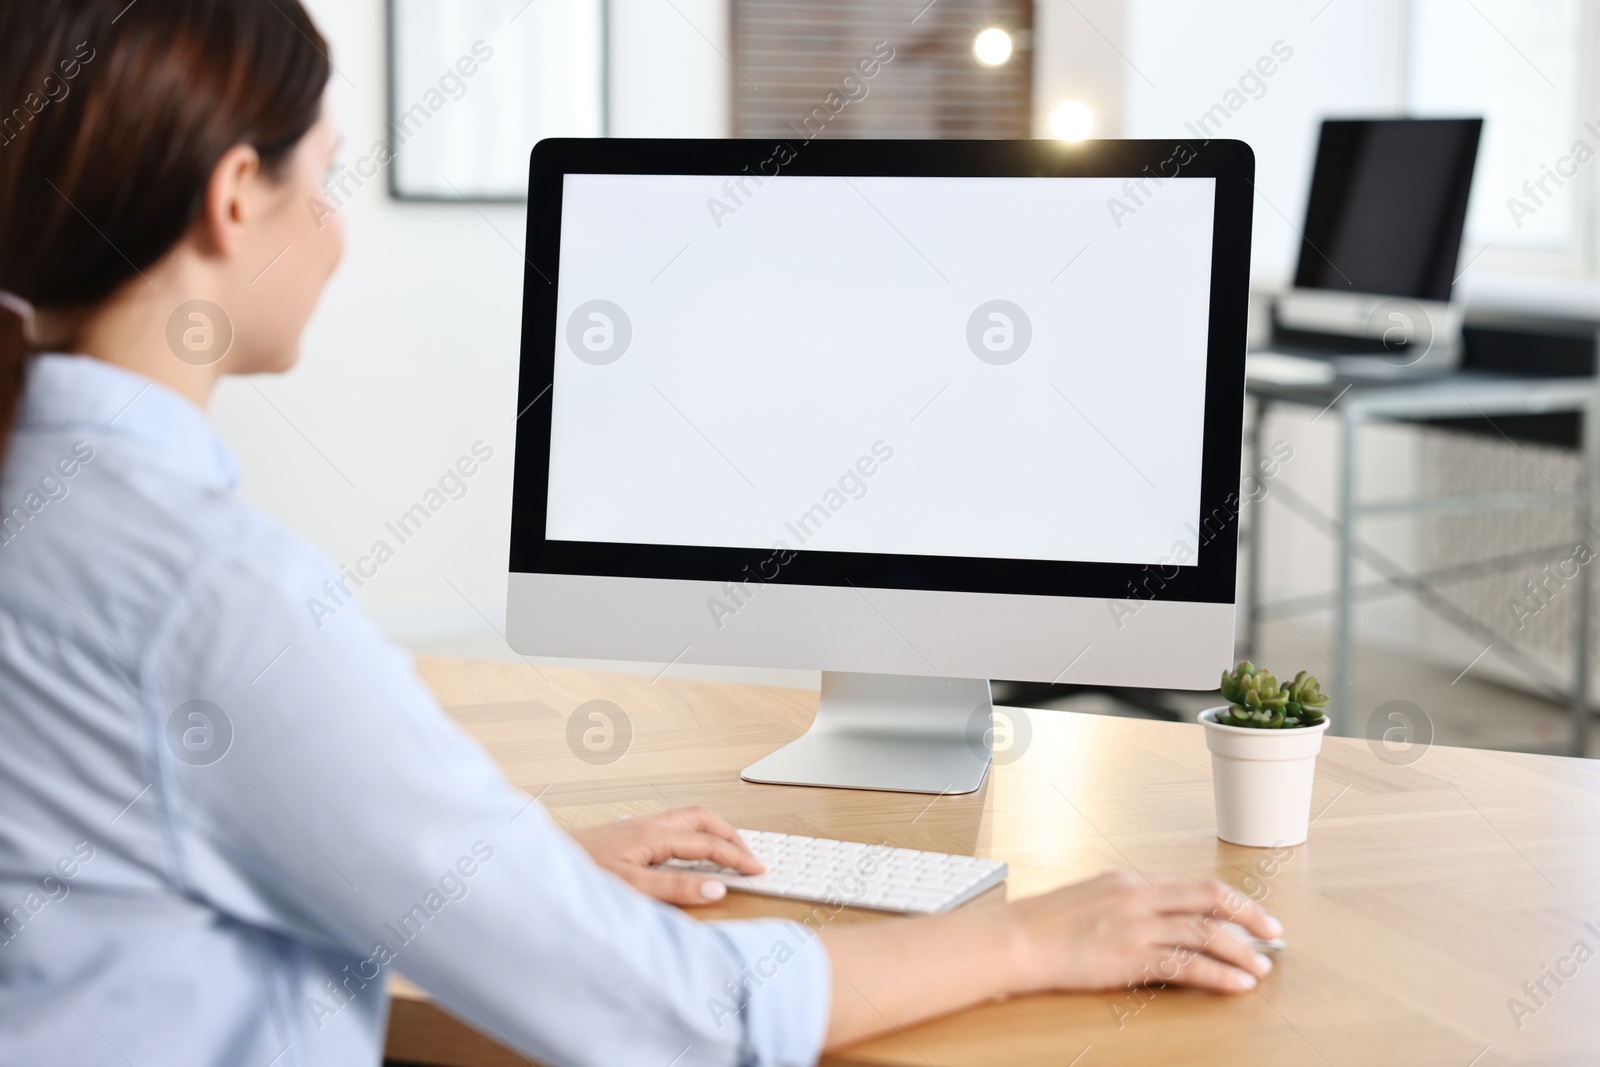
(1264, 746)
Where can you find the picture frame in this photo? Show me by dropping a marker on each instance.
(474, 84)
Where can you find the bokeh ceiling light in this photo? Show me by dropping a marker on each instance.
(992, 47)
(1071, 120)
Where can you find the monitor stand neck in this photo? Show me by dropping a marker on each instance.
(901, 733)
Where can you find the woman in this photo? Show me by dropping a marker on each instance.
(164, 904)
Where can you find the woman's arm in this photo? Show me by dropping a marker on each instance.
(350, 817)
(1113, 931)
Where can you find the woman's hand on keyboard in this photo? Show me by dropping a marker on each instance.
(631, 847)
(1122, 929)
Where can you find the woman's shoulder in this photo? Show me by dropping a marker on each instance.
(119, 549)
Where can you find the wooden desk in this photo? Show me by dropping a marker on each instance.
(1425, 898)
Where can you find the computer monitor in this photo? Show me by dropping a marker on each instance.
(1387, 205)
(915, 414)
(1379, 249)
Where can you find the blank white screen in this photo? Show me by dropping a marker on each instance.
(778, 338)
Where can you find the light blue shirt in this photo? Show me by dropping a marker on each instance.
(221, 825)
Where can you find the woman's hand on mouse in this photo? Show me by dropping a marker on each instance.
(1122, 929)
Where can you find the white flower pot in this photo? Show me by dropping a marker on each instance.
(1262, 780)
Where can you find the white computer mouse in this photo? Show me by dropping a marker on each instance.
(1275, 945)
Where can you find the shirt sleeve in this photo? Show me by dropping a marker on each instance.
(346, 811)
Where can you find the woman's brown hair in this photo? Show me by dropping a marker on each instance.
(112, 117)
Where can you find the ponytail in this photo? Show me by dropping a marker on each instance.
(14, 316)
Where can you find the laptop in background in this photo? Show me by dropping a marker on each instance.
(1378, 254)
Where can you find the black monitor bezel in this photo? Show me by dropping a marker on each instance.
(1209, 579)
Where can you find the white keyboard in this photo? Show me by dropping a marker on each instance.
(856, 874)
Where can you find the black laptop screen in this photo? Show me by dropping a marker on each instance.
(1387, 205)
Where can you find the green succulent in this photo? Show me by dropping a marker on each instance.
(1258, 700)
(1306, 700)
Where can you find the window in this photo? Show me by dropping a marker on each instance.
(801, 68)
(1521, 64)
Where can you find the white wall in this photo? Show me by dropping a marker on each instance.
(1189, 56)
(670, 75)
(1078, 54)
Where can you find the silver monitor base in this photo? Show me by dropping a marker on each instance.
(899, 733)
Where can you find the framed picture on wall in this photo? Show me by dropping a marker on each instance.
(474, 83)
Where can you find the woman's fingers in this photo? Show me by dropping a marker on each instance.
(1176, 895)
(711, 823)
(722, 842)
(677, 887)
(1204, 972)
(692, 845)
(1210, 937)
